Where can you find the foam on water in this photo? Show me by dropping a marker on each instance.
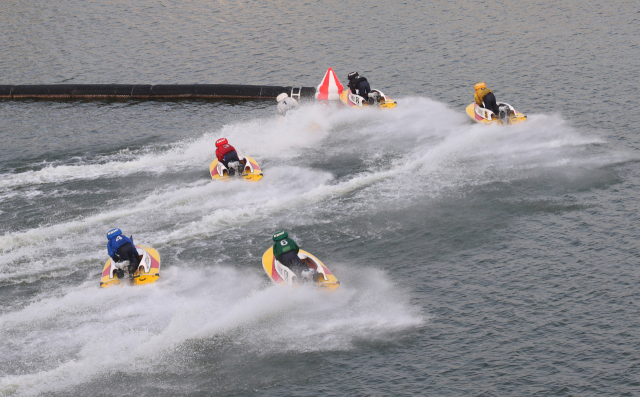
(87, 332)
(434, 150)
(257, 138)
(522, 239)
(65, 337)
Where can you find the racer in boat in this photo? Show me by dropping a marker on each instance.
(359, 83)
(285, 103)
(484, 98)
(121, 248)
(285, 250)
(225, 152)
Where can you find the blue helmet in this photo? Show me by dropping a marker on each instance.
(113, 233)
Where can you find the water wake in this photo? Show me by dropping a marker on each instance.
(413, 152)
(321, 165)
(63, 341)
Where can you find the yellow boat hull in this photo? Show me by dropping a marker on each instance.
(269, 264)
(252, 171)
(141, 276)
(481, 115)
(384, 104)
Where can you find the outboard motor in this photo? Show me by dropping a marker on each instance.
(235, 167)
(310, 275)
(373, 97)
(504, 112)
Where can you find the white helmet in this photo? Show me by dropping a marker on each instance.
(282, 97)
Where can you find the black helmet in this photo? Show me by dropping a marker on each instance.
(353, 75)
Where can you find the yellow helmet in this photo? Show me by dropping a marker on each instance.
(480, 86)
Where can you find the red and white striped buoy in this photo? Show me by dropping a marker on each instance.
(330, 88)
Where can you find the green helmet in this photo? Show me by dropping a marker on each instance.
(281, 235)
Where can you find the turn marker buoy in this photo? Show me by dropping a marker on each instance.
(330, 88)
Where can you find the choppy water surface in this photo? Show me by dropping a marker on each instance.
(473, 260)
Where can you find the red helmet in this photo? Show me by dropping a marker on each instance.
(221, 141)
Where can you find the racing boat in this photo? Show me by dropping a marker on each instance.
(376, 99)
(282, 275)
(246, 168)
(115, 273)
(507, 114)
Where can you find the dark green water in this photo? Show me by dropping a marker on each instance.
(473, 260)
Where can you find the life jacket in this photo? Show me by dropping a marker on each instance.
(224, 149)
(480, 94)
(117, 242)
(283, 246)
(355, 83)
(286, 104)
